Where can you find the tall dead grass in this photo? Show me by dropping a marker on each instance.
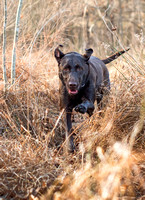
(109, 158)
(110, 148)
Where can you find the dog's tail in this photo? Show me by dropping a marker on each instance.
(114, 56)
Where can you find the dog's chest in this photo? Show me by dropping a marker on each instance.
(71, 101)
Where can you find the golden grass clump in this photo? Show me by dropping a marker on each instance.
(118, 174)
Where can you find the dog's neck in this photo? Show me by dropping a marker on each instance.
(86, 80)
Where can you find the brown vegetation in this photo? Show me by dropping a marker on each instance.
(109, 162)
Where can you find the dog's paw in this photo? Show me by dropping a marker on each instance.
(71, 147)
(80, 108)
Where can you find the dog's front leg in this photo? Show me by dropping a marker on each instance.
(87, 105)
(69, 137)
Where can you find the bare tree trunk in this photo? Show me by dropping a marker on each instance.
(110, 19)
(120, 19)
(15, 42)
(86, 33)
(103, 18)
(4, 44)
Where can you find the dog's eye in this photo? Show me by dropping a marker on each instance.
(79, 68)
(66, 69)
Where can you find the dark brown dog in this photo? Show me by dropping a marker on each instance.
(83, 79)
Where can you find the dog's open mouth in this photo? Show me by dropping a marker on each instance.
(73, 91)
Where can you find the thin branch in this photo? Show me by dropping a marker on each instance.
(15, 42)
(38, 33)
(4, 44)
(56, 123)
(136, 66)
(138, 127)
(103, 18)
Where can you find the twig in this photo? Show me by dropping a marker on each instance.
(4, 44)
(56, 123)
(139, 124)
(60, 115)
(41, 29)
(136, 66)
(15, 42)
(103, 18)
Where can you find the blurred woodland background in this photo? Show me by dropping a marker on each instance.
(77, 24)
(109, 162)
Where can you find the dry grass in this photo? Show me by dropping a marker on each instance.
(109, 158)
(109, 162)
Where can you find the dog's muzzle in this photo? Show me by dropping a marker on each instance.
(73, 88)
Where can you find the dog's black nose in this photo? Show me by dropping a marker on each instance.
(72, 84)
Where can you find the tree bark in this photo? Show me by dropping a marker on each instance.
(16, 33)
(4, 45)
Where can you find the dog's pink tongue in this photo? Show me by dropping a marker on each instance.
(73, 91)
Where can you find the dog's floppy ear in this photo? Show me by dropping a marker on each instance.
(88, 54)
(58, 54)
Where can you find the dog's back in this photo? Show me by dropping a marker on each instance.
(99, 69)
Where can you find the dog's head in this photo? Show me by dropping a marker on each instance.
(73, 69)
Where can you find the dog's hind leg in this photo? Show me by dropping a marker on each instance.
(99, 98)
(102, 96)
